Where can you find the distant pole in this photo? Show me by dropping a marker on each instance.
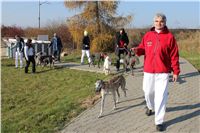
(75, 33)
(40, 3)
(39, 14)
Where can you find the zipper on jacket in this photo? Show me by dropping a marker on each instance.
(154, 51)
(157, 42)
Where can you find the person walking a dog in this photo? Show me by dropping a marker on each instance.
(56, 43)
(19, 45)
(85, 48)
(122, 42)
(161, 56)
(29, 56)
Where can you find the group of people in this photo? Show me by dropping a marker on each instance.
(161, 57)
(27, 51)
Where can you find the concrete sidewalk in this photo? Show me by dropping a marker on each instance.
(183, 107)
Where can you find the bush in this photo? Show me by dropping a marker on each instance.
(103, 43)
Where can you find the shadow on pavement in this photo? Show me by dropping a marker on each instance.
(184, 107)
(192, 74)
(120, 109)
(142, 97)
(182, 118)
(182, 77)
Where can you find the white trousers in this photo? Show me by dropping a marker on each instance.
(18, 55)
(155, 87)
(87, 52)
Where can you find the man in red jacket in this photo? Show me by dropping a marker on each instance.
(161, 56)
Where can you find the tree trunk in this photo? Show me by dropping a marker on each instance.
(97, 17)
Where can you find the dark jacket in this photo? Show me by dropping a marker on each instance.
(56, 43)
(59, 43)
(19, 45)
(86, 43)
(121, 39)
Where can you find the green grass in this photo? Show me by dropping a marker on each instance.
(192, 57)
(189, 46)
(73, 57)
(45, 101)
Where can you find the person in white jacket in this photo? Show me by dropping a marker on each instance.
(29, 56)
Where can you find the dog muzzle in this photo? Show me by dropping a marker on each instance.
(98, 89)
(98, 86)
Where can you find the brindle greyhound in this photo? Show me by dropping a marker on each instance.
(110, 86)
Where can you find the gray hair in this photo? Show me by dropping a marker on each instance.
(160, 15)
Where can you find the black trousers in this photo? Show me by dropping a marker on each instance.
(30, 59)
(119, 53)
(56, 54)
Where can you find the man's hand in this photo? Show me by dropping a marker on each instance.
(174, 78)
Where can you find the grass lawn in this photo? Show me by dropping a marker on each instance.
(192, 57)
(45, 101)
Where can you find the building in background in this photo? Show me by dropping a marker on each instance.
(39, 45)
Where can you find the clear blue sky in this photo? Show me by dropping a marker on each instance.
(180, 14)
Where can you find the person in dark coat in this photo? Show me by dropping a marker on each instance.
(85, 48)
(56, 43)
(29, 56)
(122, 42)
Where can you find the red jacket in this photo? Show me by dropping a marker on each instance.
(160, 52)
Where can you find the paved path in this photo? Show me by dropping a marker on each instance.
(182, 116)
